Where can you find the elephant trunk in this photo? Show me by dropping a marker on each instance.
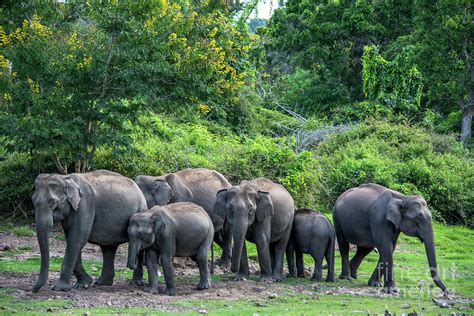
(431, 255)
(43, 224)
(133, 249)
(238, 234)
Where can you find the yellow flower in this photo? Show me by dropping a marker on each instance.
(4, 39)
(7, 96)
(213, 32)
(34, 88)
(150, 22)
(204, 108)
(85, 64)
(3, 62)
(74, 42)
(172, 37)
(41, 30)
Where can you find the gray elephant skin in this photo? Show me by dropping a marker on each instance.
(261, 212)
(198, 186)
(372, 216)
(176, 230)
(312, 233)
(92, 207)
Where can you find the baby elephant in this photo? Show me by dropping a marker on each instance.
(312, 233)
(175, 230)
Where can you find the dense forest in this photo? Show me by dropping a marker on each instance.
(325, 96)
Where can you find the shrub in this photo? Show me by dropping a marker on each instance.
(404, 158)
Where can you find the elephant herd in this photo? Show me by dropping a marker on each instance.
(181, 214)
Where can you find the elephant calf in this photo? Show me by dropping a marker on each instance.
(176, 230)
(312, 233)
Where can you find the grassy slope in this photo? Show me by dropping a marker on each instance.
(455, 249)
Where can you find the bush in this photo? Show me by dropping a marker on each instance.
(163, 146)
(404, 158)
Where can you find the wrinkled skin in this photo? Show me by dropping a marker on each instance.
(198, 186)
(261, 212)
(372, 216)
(312, 233)
(176, 230)
(92, 207)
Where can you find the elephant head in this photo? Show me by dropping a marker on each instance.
(53, 199)
(163, 190)
(410, 214)
(242, 205)
(143, 230)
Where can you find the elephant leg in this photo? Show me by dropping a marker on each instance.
(377, 274)
(318, 267)
(386, 254)
(279, 252)
(151, 265)
(271, 249)
(355, 262)
(290, 258)
(201, 259)
(168, 272)
(84, 280)
(108, 271)
(137, 277)
(344, 250)
(299, 264)
(76, 240)
(244, 270)
(226, 236)
(264, 258)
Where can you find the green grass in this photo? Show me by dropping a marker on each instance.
(455, 249)
(23, 231)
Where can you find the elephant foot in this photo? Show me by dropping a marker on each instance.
(329, 280)
(83, 283)
(204, 286)
(345, 277)
(104, 281)
(151, 289)
(354, 274)
(301, 275)
(171, 291)
(391, 289)
(240, 277)
(277, 277)
(266, 279)
(316, 279)
(374, 283)
(291, 275)
(61, 286)
(137, 282)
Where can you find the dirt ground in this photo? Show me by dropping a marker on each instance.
(123, 294)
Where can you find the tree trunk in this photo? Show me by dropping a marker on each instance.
(466, 123)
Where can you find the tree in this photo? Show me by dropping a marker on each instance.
(69, 88)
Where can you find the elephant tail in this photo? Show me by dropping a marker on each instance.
(329, 255)
(212, 258)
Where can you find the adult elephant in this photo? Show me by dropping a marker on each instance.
(94, 207)
(198, 186)
(372, 216)
(261, 212)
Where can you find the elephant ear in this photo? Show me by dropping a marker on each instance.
(264, 206)
(394, 211)
(159, 225)
(161, 191)
(179, 191)
(220, 208)
(73, 193)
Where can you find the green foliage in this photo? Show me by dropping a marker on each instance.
(162, 146)
(395, 83)
(404, 158)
